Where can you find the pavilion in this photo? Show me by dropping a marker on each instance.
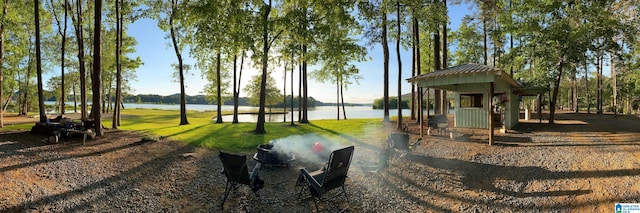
(478, 90)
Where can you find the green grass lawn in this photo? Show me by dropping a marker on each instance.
(203, 131)
(25, 126)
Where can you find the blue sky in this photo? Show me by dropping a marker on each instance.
(155, 76)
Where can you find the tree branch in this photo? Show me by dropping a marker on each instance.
(275, 38)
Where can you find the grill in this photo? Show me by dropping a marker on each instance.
(266, 155)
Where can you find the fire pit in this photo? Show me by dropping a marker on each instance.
(266, 155)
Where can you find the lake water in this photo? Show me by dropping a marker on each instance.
(317, 113)
(321, 113)
(195, 107)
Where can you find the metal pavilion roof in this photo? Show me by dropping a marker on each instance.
(452, 73)
(461, 69)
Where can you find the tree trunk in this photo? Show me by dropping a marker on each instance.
(599, 86)
(4, 15)
(75, 98)
(305, 103)
(96, 77)
(240, 75)
(62, 31)
(174, 40)
(385, 50)
(511, 43)
(484, 32)
(574, 84)
(300, 89)
(437, 99)
(337, 96)
(62, 89)
(265, 57)
(235, 91)
(627, 109)
(292, 66)
(62, 63)
(118, 101)
(183, 100)
(586, 80)
(284, 93)
(24, 109)
(445, 53)
(43, 114)
(413, 65)
(344, 111)
(614, 85)
(445, 57)
(552, 104)
(82, 68)
(569, 99)
(107, 95)
(6, 102)
(496, 53)
(419, 70)
(399, 123)
(218, 83)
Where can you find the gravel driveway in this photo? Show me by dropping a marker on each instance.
(583, 163)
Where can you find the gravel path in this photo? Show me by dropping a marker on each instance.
(583, 163)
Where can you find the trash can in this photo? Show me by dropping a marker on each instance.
(400, 140)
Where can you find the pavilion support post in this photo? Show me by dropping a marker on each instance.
(490, 108)
(539, 108)
(420, 113)
(428, 106)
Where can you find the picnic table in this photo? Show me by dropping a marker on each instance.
(64, 127)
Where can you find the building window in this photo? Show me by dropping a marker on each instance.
(471, 100)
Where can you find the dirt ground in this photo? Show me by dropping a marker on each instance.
(583, 163)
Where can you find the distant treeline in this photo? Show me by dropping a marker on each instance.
(393, 103)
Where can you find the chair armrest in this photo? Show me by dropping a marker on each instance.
(312, 181)
(418, 142)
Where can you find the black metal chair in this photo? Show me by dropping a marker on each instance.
(236, 171)
(438, 125)
(399, 143)
(331, 177)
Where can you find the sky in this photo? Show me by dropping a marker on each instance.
(156, 75)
